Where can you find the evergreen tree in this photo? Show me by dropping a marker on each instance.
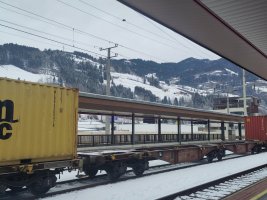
(165, 100)
(175, 101)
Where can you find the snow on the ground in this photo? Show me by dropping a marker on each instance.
(80, 59)
(139, 128)
(89, 125)
(156, 186)
(193, 90)
(13, 72)
(166, 128)
(130, 81)
(231, 72)
(215, 73)
(261, 88)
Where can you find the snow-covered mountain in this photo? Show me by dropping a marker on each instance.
(183, 82)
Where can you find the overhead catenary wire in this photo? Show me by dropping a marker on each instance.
(16, 35)
(27, 38)
(52, 22)
(63, 38)
(121, 27)
(70, 28)
(56, 41)
(125, 21)
(66, 39)
(170, 37)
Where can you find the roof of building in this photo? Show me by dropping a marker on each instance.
(100, 104)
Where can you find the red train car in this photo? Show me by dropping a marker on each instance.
(256, 128)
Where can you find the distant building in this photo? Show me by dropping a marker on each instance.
(236, 105)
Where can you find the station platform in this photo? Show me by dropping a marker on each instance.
(258, 191)
(140, 146)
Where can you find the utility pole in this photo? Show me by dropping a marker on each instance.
(244, 94)
(228, 101)
(108, 81)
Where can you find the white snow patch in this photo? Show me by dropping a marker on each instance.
(131, 81)
(13, 72)
(80, 59)
(261, 88)
(231, 72)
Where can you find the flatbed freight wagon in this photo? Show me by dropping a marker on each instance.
(38, 127)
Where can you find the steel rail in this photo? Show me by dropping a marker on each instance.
(85, 183)
(216, 185)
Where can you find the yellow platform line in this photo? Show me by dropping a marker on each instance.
(259, 195)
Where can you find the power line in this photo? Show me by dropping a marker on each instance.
(55, 23)
(61, 24)
(173, 39)
(58, 24)
(31, 17)
(20, 36)
(63, 43)
(63, 38)
(29, 38)
(124, 20)
(141, 35)
(78, 42)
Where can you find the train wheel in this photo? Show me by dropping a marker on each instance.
(139, 168)
(219, 157)
(91, 172)
(220, 154)
(15, 189)
(2, 189)
(42, 185)
(256, 149)
(210, 158)
(115, 171)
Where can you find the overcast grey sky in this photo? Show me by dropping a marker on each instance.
(90, 24)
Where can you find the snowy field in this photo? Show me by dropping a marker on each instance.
(156, 186)
(13, 72)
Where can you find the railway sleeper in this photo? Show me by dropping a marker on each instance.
(219, 154)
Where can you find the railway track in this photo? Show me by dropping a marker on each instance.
(86, 182)
(223, 187)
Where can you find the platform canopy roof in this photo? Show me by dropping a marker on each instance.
(107, 105)
(233, 29)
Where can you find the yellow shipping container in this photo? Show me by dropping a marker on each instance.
(38, 122)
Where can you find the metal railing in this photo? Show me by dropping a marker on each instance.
(124, 139)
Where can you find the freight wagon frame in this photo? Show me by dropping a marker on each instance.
(116, 159)
(116, 162)
(38, 133)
